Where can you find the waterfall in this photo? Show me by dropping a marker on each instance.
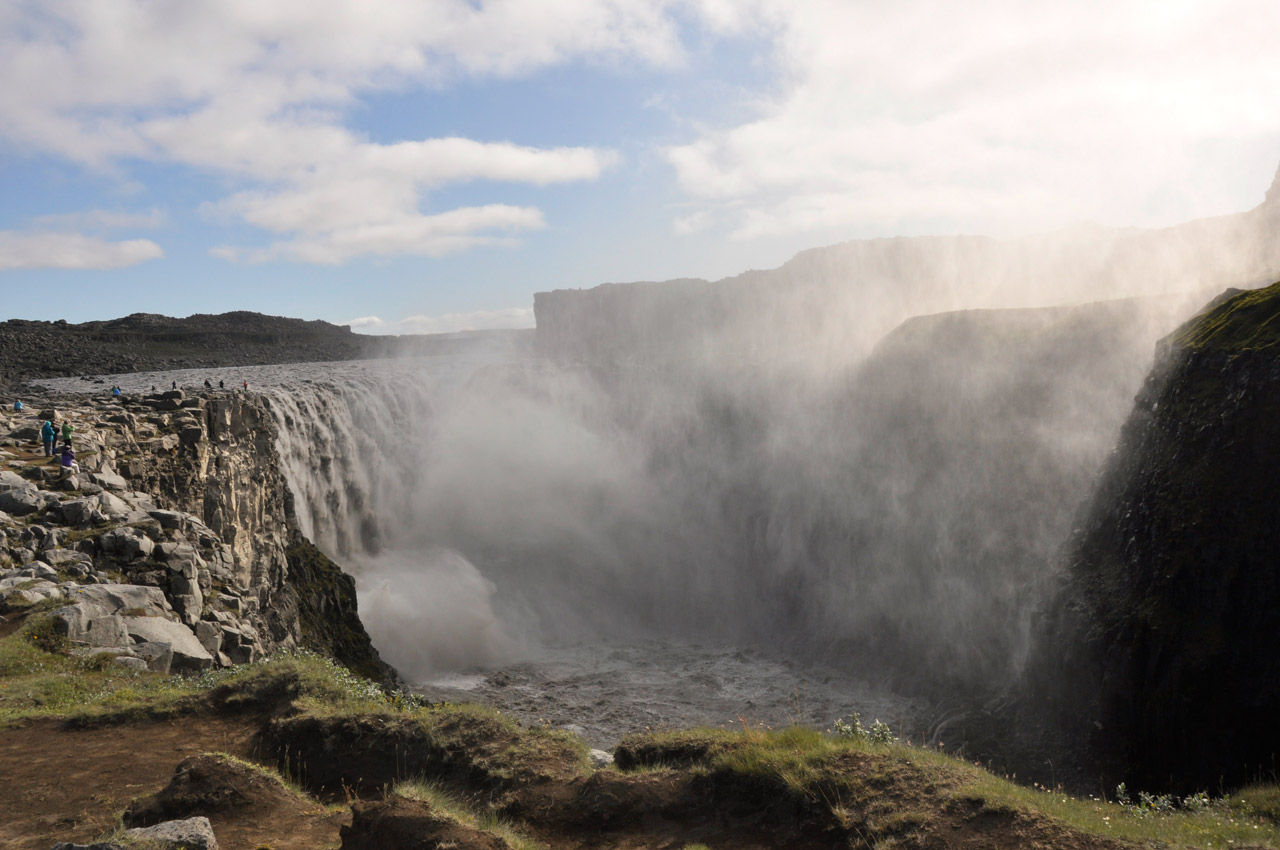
(897, 515)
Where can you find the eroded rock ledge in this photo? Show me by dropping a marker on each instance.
(173, 544)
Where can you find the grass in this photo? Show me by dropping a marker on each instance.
(878, 792)
(885, 791)
(1248, 321)
(451, 807)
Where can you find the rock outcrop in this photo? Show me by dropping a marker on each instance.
(170, 543)
(1157, 651)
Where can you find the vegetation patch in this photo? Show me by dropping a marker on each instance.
(1246, 321)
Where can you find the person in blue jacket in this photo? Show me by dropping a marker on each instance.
(17, 405)
(49, 435)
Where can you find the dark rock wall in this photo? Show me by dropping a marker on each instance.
(1159, 650)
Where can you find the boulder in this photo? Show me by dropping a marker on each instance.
(210, 636)
(109, 480)
(59, 557)
(14, 481)
(169, 519)
(149, 601)
(132, 662)
(126, 543)
(190, 834)
(188, 654)
(76, 511)
(113, 506)
(156, 656)
(20, 502)
(92, 624)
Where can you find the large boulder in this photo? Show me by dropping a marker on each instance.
(135, 599)
(91, 624)
(191, 834)
(20, 502)
(126, 543)
(13, 481)
(188, 654)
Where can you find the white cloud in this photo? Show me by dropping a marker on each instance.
(991, 115)
(397, 232)
(479, 320)
(103, 220)
(259, 91)
(363, 322)
(58, 250)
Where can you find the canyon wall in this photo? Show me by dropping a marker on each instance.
(1156, 650)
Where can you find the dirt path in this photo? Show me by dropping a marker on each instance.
(60, 784)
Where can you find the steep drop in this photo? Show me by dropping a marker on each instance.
(1158, 650)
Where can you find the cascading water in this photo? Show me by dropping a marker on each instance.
(893, 518)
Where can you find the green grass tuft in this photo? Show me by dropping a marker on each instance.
(1247, 321)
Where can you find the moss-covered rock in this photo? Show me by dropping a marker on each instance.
(328, 620)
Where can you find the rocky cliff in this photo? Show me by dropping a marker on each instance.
(1157, 652)
(179, 495)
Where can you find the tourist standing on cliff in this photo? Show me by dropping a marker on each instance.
(67, 430)
(48, 436)
(17, 405)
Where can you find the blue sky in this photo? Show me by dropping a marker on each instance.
(427, 165)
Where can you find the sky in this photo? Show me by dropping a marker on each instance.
(418, 166)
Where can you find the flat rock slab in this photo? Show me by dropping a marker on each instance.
(125, 597)
(188, 654)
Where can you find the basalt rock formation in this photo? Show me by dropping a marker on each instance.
(177, 528)
(1158, 650)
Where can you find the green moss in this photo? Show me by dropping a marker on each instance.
(1247, 321)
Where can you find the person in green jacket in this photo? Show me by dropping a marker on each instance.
(67, 431)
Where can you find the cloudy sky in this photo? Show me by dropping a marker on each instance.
(427, 165)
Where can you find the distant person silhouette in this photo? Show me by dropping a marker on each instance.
(115, 392)
(221, 385)
(48, 436)
(67, 430)
(207, 385)
(175, 385)
(246, 385)
(17, 405)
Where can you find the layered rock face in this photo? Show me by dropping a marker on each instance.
(1159, 648)
(176, 530)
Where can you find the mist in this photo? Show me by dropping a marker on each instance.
(868, 457)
